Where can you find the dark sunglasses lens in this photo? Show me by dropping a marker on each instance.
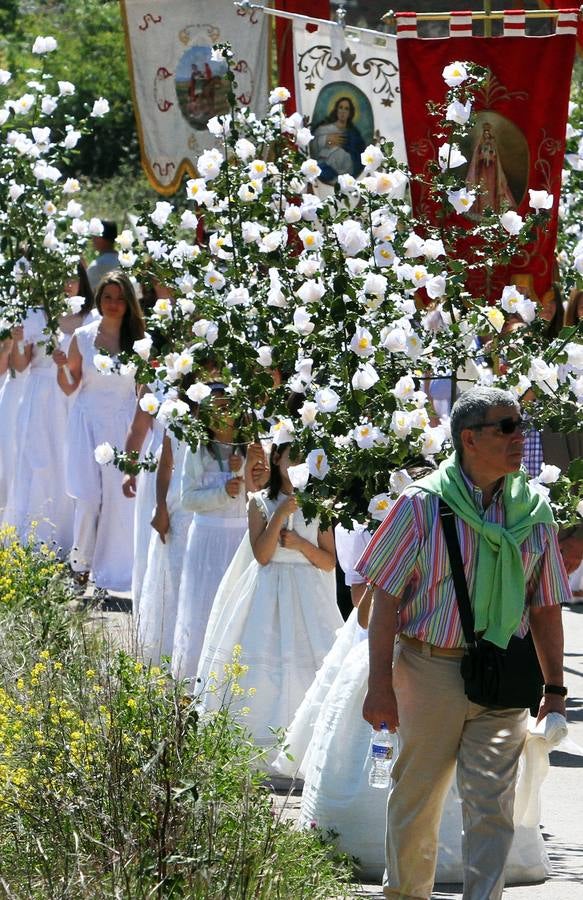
(509, 426)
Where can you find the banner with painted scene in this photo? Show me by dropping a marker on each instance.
(347, 85)
(518, 140)
(177, 86)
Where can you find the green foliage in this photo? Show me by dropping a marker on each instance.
(114, 783)
(91, 55)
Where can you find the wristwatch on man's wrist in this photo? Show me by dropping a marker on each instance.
(558, 689)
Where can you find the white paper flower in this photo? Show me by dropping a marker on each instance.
(311, 291)
(580, 508)
(548, 474)
(394, 339)
(312, 240)
(371, 158)
(279, 95)
(103, 454)
(414, 246)
(511, 222)
(351, 237)
(365, 377)
(317, 463)
(219, 126)
(308, 412)
(264, 356)
(575, 355)
(103, 363)
(401, 423)
(198, 392)
(310, 170)
(75, 304)
(292, 215)
(237, 296)
(163, 307)
(433, 248)
(5, 76)
(347, 184)
(380, 506)
(214, 279)
(458, 112)
(436, 287)
(384, 254)
(399, 480)
(462, 200)
(302, 321)
(432, 441)
(495, 318)
(209, 164)
(149, 403)
(540, 200)
(361, 342)
(327, 400)
(299, 476)
(44, 45)
(545, 376)
(66, 88)
(171, 410)
(100, 108)
(455, 74)
(282, 432)
(161, 213)
(15, 191)
(365, 436)
(450, 157)
(48, 105)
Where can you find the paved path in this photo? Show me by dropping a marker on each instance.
(562, 792)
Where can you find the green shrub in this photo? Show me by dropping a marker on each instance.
(114, 783)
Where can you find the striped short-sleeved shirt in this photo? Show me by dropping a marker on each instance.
(408, 558)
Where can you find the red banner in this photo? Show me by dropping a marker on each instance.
(317, 9)
(521, 115)
(565, 4)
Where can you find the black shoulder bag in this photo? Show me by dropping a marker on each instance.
(503, 679)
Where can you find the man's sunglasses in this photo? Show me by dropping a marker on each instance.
(508, 425)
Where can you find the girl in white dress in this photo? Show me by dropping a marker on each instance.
(38, 493)
(161, 584)
(11, 390)
(212, 489)
(102, 412)
(282, 610)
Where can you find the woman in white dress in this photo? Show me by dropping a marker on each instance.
(161, 583)
(212, 489)
(38, 493)
(282, 610)
(102, 412)
(11, 390)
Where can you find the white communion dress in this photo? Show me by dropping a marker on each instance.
(144, 503)
(284, 616)
(161, 585)
(216, 529)
(11, 392)
(37, 490)
(337, 795)
(104, 519)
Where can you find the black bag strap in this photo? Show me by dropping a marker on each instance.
(447, 517)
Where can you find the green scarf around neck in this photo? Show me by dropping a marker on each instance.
(499, 591)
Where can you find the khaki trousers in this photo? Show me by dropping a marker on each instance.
(438, 728)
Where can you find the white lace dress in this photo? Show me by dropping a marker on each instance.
(11, 392)
(37, 490)
(217, 527)
(161, 584)
(145, 501)
(285, 617)
(104, 523)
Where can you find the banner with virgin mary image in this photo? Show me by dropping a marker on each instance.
(347, 86)
(517, 142)
(178, 86)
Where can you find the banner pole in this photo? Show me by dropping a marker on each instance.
(493, 14)
(488, 19)
(280, 13)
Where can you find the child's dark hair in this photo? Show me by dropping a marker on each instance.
(274, 483)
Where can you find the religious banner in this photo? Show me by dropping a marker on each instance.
(177, 86)
(347, 84)
(317, 9)
(518, 140)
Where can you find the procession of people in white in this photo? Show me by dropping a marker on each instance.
(218, 556)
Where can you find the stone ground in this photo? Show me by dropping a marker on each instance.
(562, 793)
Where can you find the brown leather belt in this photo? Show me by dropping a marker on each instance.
(431, 649)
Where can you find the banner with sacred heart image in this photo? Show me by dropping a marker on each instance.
(177, 86)
(347, 85)
(517, 143)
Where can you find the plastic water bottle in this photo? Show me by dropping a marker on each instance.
(381, 758)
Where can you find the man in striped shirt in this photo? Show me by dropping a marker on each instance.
(421, 692)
